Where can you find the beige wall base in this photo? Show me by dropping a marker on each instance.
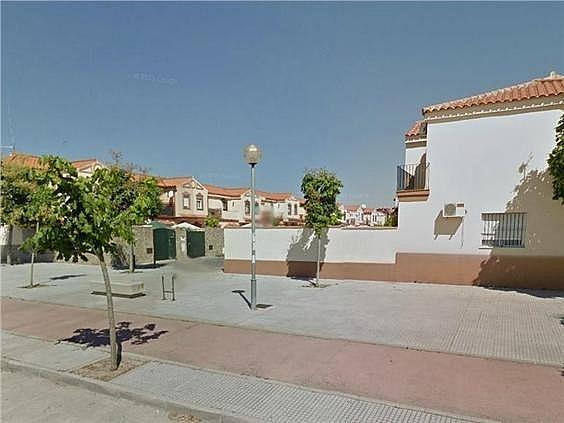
(533, 272)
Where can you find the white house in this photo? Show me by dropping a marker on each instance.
(233, 205)
(475, 202)
(360, 215)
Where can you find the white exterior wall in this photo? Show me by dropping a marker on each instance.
(413, 154)
(345, 245)
(474, 161)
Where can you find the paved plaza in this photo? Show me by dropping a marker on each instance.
(520, 326)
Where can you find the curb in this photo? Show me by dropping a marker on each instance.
(115, 391)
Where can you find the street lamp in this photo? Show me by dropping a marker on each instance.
(253, 156)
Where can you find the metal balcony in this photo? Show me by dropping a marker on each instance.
(413, 177)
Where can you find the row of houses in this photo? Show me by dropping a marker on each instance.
(185, 199)
(361, 215)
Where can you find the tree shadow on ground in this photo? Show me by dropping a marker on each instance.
(100, 337)
(63, 277)
(301, 259)
(537, 264)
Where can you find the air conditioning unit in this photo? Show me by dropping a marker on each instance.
(454, 210)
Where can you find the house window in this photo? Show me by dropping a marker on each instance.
(199, 202)
(247, 207)
(224, 205)
(295, 209)
(503, 230)
(186, 201)
(289, 209)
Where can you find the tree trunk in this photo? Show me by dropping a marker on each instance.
(131, 257)
(318, 259)
(9, 244)
(111, 317)
(32, 260)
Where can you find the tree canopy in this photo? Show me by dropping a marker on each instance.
(88, 215)
(556, 163)
(321, 188)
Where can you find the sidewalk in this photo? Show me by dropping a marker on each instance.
(462, 385)
(508, 325)
(224, 397)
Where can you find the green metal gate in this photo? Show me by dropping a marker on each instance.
(164, 242)
(196, 243)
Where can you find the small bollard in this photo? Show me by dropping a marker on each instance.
(172, 290)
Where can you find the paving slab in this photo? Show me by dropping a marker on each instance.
(463, 385)
(48, 354)
(503, 324)
(266, 400)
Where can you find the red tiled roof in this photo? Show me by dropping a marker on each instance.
(238, 192)
(550, 86)
(418, 130)
(353, 207)
(275, 196)
(81, 164)
(172, 182)
(30, 160)
(225, 192)
(23, 159)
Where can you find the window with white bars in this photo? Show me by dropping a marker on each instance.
(503, 230)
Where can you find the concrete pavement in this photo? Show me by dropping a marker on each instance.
(520, 326)
(469, 386)
(233, 398)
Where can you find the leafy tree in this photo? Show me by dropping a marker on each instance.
(211, 221)
(391, 220)
(90, 215)
(23, 199)
(15, 191)
(321, 188)
(556, 163)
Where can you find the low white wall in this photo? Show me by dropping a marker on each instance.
(298, 244)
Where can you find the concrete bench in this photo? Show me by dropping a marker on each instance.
(119, 289)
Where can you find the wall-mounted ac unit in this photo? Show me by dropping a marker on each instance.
(454, 210)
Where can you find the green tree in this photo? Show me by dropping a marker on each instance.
(23, 199)
(321, 188)
(90, 215)
(556, 163)
(15, 191)
(211, 221)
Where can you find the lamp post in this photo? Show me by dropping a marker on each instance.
(253, 156)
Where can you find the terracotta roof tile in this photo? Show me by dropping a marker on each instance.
(174, 181)
(418, 130)
(552, 85)
(81, 164)
(23, 159)
(225, 192)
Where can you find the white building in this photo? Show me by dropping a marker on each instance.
(360, 215)
(475, 202)
(233, 205)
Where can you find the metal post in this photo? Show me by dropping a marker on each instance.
(172, 281)
(162, 282)
(253, 241)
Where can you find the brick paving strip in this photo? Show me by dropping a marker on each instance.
(462, 385)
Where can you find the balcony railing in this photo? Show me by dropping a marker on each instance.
(413, 177)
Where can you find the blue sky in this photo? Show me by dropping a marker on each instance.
(181, 87)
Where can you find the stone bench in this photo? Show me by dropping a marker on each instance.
(119, 289)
